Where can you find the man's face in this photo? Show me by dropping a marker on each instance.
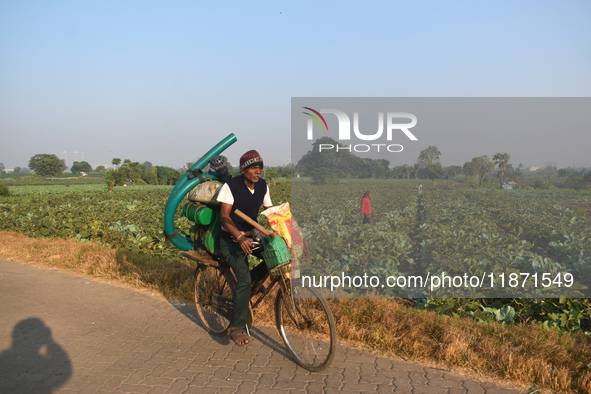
(252, 174)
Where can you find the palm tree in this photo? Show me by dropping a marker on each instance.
(501, 159)
(406, 169)
(116, 161)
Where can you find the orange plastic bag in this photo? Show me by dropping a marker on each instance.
(280, 219)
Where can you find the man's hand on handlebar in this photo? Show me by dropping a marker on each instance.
(248, 244)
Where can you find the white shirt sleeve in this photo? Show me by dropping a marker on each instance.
(225, 195)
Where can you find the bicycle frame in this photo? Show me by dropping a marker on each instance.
(274, 281)
(305, 324)
(202, 258)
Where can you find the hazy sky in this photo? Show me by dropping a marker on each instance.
(530, 130)
(165, 81)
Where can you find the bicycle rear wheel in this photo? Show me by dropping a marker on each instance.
(307, 326)
(213, 299)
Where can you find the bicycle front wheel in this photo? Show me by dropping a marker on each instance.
(213, 299)
(307, 327)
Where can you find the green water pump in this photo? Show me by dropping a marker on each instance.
(192, 178)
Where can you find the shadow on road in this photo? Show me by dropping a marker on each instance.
(256, 332)
(35, 363)
(189, 311)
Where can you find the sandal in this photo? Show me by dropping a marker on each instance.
(238, 336)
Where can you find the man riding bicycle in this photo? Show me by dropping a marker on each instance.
(246, 192)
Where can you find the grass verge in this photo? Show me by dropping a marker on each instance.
(525, 354)
(170, 277)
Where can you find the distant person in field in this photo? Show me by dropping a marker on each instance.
(366, 211)
(420, 187)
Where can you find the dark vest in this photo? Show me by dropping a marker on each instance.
(246, 201)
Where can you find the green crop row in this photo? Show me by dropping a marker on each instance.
(457, 230)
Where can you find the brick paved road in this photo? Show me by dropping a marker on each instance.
(70, 334)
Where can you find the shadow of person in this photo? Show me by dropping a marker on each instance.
(35, 363)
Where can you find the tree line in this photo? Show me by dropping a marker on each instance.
(128, 173)
(131, 173)
(329, 166)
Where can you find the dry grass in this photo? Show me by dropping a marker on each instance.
(171, 278)
(525, 354)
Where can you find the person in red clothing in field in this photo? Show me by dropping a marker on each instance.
(366, 211)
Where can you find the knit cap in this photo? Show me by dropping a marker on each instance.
(249, 159)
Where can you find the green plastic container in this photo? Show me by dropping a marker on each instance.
(275, 250)
(198, 213)
(211, 235)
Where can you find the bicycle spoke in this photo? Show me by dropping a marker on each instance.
(213, 300)
(307, 328)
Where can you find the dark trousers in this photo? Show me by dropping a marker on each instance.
(233, 254)
(366, 218)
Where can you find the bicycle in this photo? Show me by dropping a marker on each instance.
(302, 317)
